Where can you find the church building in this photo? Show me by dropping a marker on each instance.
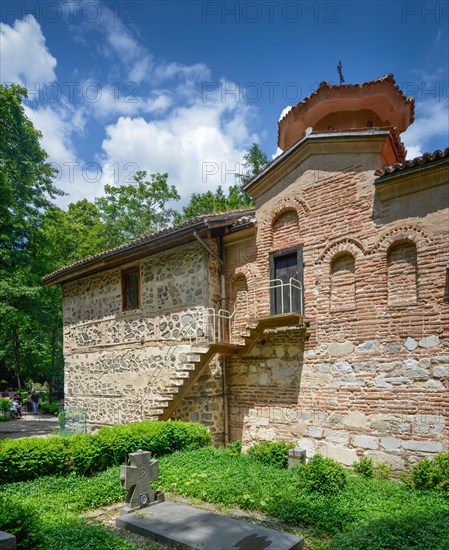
(319, 317)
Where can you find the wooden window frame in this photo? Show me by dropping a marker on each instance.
(125, 272)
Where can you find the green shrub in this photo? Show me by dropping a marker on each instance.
(30, 457)
(22, 522)
(5, 405)
(234, 448)
(364, 467)
(273, 453)
(382, 470)
(27, 458)
(430, 474)
(49, 408)
(322, 475)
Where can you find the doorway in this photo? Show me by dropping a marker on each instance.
(284, 266)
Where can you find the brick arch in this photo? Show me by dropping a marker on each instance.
(412, 233)
(351, 246)
(342, 280)
(265, 236)
(402, 272)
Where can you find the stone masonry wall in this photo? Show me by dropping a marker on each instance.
(372, 375)
(116, 361)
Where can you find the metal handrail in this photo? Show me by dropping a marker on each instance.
(222, 326)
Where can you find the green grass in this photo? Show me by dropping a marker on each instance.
(368, 514)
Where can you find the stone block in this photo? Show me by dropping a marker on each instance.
(367, 347)
(424, 446)
(314, 431)
(308, 445)
(441, 372)
(340, 454)
(393, 347)
(365, 441)
(338, 437)
(391, 444)
(7, 541)
(411, 344)
(429, 341)
(342, 367)
(296, 456)
(340, 348)
(355, 420)
(394, 461)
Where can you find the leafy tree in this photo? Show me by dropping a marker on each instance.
(208, 203)
(26, 189)
(129, 211)
(254, 161)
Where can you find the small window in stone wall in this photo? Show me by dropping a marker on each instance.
(343, 282)
(402, 274)
(285, 230)
(130, 288)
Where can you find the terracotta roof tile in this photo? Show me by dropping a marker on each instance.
(424, 159)
(146, 238)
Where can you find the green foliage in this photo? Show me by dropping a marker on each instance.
(382, 470)
(5, 405)
(364, 467)
(235, 447)
(253, 162)
(210, 203)
(430, 474)
(27, 458)
(322, 475)
(22, 522)
(129, 211)
(273, 453)
(235, 198)
(366, 513)
(49, 408)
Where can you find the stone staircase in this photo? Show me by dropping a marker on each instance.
(192, 365)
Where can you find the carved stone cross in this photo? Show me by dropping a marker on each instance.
(136, 478)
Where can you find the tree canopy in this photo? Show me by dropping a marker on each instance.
(37, 237)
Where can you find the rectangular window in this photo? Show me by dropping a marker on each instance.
(286, 296)
(130, 288)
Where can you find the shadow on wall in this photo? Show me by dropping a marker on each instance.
(265, 382)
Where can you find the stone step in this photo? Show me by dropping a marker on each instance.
(185, 366)
(169, 390)
(179, 374)
(159, 401)
(200, 349)
(156, 412)
(189, 357)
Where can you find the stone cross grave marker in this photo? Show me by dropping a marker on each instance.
(136, 478)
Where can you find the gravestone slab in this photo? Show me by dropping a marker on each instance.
(136, 478)
(7, 541)
(188, 527)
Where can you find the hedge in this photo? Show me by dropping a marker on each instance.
(31, 457)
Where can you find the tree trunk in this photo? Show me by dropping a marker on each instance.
(16, 340)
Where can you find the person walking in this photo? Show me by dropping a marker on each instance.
(35, 402)
(29, 403)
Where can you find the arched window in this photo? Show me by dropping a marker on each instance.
(285, 230)
(343, 281)
(402, 274)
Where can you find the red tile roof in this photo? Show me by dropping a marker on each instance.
(426, 158)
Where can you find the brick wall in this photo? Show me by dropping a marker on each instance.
(374, 374)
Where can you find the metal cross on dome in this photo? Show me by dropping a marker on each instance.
(136, 478)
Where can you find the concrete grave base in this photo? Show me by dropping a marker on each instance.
(189, 527)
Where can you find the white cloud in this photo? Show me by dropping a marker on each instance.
(110, 102)
(24, 57)
(58, 124)
(200, 146)
(431, 123)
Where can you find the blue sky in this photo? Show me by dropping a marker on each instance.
(186, 87)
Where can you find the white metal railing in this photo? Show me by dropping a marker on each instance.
(211, 326)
